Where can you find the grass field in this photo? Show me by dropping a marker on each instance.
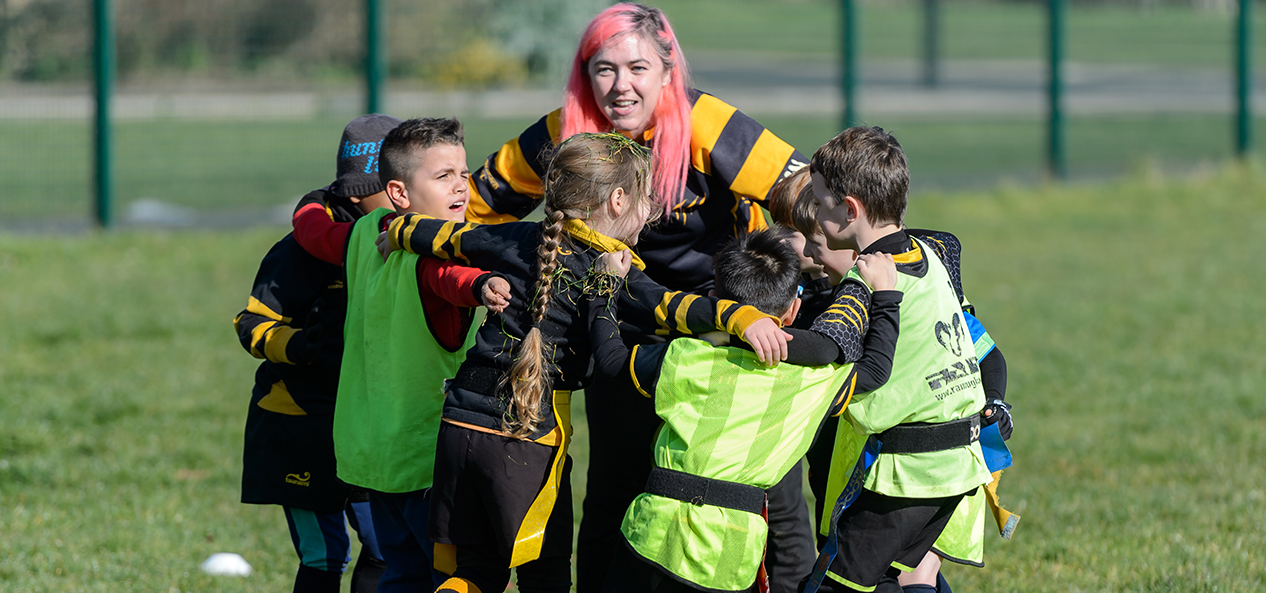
(1127, 312)
(970, 30)
(227, 165)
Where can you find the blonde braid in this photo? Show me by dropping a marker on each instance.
(529, 376)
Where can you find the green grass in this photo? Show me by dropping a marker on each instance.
(235, 164)
(970, 30)
(1127, 311)
(208, 165)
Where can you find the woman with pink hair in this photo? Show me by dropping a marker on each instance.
(712, 165)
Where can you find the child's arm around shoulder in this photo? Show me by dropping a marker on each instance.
(463, 286)
(316, 231)
(650, 308)
(612, 358)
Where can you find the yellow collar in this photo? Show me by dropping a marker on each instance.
(581, 232)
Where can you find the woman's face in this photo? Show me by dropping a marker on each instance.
(627, 77)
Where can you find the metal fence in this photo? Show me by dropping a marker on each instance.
(222, 112)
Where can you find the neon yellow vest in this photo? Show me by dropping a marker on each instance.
(728, 417)
(935, 378)
(390, 391)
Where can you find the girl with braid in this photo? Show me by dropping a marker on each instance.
(501, 497)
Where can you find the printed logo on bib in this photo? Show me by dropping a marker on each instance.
(299, 480)
(964, 374)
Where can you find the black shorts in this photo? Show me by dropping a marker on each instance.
(289, 460)
(484, 485)
(878, 532)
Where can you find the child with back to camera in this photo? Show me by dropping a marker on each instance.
(732, 427)
(294, 322)
(502, 495)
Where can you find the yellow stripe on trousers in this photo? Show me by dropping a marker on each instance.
(527, 544)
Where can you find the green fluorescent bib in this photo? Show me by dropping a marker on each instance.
(935, 378)
(390, 391)
(727, 417)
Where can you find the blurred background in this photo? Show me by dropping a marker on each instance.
(225, 111)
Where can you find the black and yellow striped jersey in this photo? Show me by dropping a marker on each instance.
(290, 284)
(646, 307)
(734, 163)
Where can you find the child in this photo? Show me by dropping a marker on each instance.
(926, 418)
(294, 321)
(501, 494)
(792, 205)
(408, 328)
(732, 427)
(792, 546)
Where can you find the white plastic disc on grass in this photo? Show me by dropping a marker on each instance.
(226, 564)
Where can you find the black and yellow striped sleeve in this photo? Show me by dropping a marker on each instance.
(508, 185)
(264, 332)
(649, 308)
(728, 145)
(847, 318)
(424, 235)
(840, 403)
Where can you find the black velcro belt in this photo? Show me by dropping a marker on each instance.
(926, 438)
(699, 490)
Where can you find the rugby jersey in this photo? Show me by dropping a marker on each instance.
(734, 163)
(511, 248)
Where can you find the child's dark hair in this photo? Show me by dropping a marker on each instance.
(760, 269)
(399, 154)
(583, 173)
(791, 203)
(866, 163)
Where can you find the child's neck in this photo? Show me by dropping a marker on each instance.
(867, 235)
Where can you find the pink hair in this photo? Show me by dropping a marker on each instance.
(670, 146)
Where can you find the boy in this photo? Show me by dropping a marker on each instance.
(733, 427)
(407, 331)
(926, 418)
(792, 205)
(294, 321)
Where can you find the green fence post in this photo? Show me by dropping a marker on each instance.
(103, 81)
(1244, 79)
(848, 61)
(931, 42)
(375, 57)
(1055, 159)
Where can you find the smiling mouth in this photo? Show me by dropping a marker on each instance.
(457, 206)
(623, 104)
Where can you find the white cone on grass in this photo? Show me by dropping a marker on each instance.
(226, 564)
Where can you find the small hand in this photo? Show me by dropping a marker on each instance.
(617, 263)
(383, 245)
(768, 340)
(496, 294)
(878, 270)
(999, 412)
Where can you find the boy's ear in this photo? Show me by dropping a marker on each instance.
(790, 315)
(855, 208)
(397, 194)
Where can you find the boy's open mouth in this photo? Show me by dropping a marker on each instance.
(457, 206)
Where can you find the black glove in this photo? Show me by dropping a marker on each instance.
(306, 344)
(997, 411)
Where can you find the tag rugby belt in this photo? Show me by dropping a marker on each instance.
(698, 490)
(926, 438)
